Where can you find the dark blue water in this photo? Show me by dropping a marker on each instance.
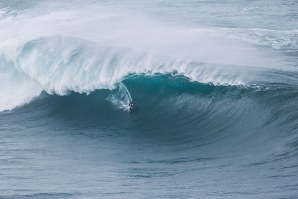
(216, 87)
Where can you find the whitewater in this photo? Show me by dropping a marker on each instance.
(216, 87)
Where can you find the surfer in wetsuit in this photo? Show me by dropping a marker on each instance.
(131, 105)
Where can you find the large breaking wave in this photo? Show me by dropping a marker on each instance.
(216, 113)
(60, 51)
(189, 74)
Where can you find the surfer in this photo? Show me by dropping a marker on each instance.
(131, 105)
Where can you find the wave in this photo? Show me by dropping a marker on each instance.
(63, 51)
(210, 101)
(167, 100)
(174, 112)
(60, 65)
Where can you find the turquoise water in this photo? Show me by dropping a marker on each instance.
(216, 87)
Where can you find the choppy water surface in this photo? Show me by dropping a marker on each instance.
(216, 87)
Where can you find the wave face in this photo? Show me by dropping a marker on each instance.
(216, 99)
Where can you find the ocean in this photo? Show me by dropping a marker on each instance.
(215, 85)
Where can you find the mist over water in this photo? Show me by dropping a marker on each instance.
(216, 87)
